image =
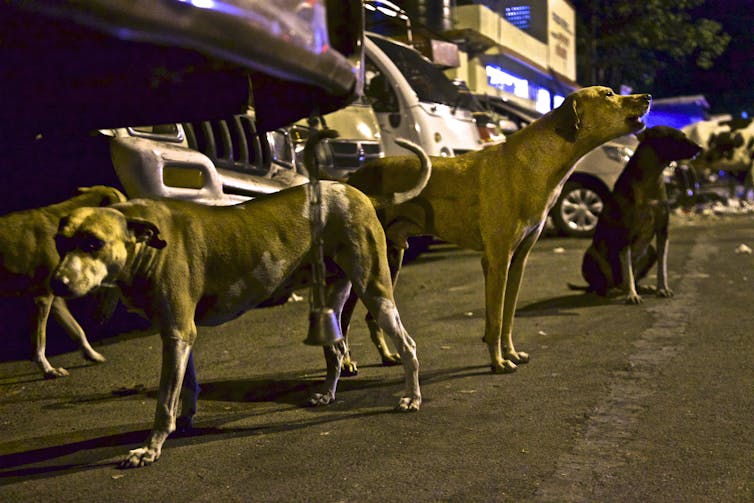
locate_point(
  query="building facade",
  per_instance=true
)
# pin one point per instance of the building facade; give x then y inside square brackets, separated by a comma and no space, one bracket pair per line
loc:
[524,50]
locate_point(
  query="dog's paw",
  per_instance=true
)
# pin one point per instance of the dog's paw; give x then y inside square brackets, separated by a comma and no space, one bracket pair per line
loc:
[349,369]
[391,359]
[504,367]
[318,399]
[409,404]
[517,357]
[94,356]
[142,456]
[54,373]
[664,292]
[634,299]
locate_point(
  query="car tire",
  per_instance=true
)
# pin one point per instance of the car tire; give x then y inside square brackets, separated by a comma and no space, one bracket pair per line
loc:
[578,208]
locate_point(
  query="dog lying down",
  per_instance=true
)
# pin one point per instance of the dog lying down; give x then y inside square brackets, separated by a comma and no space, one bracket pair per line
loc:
[183,265]
[637,211]
[27,259]
[496,200]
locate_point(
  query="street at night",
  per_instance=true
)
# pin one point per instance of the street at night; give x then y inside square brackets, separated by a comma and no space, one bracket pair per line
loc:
[619,402]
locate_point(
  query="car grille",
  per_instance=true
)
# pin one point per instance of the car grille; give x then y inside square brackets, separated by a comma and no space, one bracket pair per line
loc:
[351,155]
[233,144]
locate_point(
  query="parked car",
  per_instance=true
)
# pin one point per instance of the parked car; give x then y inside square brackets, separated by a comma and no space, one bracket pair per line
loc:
[359,140]
[577,210]
[219,162]
[415,100]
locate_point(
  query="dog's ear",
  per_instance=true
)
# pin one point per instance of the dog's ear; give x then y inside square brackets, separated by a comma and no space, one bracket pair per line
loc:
[568,119]
[146,232]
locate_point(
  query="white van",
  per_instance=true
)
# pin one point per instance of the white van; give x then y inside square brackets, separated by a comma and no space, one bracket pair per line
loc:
[415,100]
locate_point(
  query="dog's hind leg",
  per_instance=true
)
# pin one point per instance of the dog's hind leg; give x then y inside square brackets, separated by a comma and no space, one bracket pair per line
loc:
[386,314]
[395,258]
[349,365]
[61,313]
[43,305]
[176,348]
[597,272]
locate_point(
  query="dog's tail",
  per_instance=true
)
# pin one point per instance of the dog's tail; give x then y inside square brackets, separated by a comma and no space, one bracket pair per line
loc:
[396,198]
[580,288]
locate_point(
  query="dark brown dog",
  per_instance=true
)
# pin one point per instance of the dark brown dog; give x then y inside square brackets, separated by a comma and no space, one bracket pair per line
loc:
[28,257]
[496,200]
[636,212]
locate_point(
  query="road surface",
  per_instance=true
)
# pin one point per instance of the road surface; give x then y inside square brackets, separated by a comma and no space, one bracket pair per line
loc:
[619,403]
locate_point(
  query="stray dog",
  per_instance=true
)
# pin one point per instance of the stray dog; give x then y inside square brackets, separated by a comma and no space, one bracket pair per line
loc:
[183,265]
[621,253]
[27,259]
[496,200]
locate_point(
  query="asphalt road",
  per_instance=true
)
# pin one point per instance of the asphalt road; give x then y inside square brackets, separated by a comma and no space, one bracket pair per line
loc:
[650,403]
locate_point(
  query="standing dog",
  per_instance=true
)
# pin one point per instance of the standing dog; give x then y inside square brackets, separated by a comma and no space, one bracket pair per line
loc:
[185,265]
[28,257]
[496,200]
[636,212]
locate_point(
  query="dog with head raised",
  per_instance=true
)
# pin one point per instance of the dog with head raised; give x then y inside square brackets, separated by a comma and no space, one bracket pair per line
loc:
[27,259]
[636,212]
[496,200]
[183,265]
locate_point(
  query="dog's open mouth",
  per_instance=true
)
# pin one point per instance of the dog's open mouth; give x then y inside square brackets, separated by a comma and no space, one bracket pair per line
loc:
[636,121]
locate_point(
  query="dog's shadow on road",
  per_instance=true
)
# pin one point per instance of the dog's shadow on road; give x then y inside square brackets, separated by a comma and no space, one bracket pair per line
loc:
[104,447]
[563,305]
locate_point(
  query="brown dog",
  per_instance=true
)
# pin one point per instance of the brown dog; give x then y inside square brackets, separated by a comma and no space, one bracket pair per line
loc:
[636,212]
[215,263]
[496,200]
[28,257]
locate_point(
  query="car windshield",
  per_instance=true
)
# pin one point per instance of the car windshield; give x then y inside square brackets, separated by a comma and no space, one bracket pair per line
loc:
[428,81]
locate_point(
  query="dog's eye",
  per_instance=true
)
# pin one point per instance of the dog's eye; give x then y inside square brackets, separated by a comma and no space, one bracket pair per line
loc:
[91,244]
[609,93]
[63,244]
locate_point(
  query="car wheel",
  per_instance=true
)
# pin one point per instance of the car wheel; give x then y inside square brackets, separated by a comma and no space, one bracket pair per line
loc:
[578,208]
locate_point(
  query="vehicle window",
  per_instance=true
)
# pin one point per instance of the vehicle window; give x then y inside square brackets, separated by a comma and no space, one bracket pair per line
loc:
[378,89]
[428,81]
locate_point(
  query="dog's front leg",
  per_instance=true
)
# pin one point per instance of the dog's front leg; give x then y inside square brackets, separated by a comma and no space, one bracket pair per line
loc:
[334,359]
[43,305]
[663,290]
[176,347]
[512,287]
[495,278]
[629,283]
[73,329]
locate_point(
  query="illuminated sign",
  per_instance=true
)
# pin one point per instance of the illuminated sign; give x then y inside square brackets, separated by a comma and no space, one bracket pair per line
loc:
[500,79]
